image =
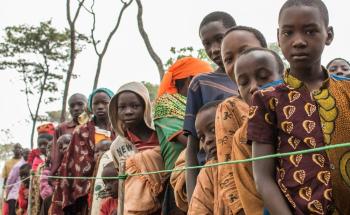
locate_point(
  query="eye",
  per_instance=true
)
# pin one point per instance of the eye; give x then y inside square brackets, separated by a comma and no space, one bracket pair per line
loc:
[286,33]
[121,107]
[228,59]
[332,68]
[345,68]
[310,32]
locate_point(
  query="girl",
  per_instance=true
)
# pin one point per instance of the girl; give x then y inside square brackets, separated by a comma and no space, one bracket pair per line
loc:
[78,160]
[339,66]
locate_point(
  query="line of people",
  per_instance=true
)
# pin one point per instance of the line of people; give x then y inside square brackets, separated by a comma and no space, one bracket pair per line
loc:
[249,106]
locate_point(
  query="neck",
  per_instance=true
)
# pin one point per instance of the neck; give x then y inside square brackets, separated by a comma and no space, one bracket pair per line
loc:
[16,156]
[101,123]
[141,130]
[308,75]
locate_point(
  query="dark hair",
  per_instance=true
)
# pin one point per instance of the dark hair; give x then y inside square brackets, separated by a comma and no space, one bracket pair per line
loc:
[227,20]
[275,55]
[78,95]
[311,3]
[209,105]
[47,137]
[338,58]
[24,166]
[259,36]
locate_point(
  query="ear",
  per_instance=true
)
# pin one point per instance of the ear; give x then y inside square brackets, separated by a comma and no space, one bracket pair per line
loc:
[330,35]
[278,38]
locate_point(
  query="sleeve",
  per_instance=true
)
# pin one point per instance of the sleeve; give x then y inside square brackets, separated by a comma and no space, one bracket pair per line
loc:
[202,201]
[45,187]
[243,174]
[193,104]
[262,120]
[12,177]
[5,171]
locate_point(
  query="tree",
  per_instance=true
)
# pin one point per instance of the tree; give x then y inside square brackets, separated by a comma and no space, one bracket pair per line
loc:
[147,42]
[275,47]
[73,36]
[101,54]
[40,55]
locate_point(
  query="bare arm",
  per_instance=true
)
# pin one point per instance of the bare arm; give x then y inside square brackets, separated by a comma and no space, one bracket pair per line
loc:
[191,160]
[181,139]
[264,176]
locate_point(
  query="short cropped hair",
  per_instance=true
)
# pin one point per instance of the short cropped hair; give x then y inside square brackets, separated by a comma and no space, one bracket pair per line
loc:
[275,55]
[259,36]
[209,105]
[311,3]
[227,20]
[338,58]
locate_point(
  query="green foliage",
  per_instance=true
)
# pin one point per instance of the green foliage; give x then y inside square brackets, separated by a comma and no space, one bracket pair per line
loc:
[275,47]
[6,151]
[152,89]
[177,54]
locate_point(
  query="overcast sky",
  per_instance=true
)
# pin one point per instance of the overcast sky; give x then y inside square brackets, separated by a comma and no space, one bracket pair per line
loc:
[167,22]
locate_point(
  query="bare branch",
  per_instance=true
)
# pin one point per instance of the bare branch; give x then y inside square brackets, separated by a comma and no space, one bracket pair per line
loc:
[81,3]
[69,18]
[145,38]
[94,43]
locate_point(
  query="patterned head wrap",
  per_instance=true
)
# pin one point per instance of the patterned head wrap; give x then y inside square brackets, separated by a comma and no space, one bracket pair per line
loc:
[182,68]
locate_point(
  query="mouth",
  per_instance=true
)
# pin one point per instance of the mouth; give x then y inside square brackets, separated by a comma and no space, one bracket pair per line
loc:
[300,56]
[100,113]
[217,60]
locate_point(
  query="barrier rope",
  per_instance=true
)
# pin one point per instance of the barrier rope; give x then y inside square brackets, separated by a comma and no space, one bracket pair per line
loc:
[123,177]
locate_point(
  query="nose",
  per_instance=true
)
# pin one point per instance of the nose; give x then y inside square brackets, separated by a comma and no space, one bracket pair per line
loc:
[208,140]
[254,87]
[215,49]
[129,111]
[299,41]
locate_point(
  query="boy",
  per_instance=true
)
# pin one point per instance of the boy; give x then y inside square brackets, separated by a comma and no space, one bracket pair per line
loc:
[205,199]
[254,68]
[24,172]
[110,204]
[308,110]
[236,40]
[207,87]
[77,105]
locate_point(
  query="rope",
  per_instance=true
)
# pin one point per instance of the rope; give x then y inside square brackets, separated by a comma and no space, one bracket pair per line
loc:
[123,177]
[19,182]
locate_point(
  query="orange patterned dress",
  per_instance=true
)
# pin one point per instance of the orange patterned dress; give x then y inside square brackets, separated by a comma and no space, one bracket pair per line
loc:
[293,118]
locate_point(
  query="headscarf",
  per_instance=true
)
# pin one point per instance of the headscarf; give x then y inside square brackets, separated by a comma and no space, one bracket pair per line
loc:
[47,128]
[182,68]
[98,90]
[140,90]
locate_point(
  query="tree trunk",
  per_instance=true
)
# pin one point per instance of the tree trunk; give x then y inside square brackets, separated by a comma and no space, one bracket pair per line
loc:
[98,71]
[69,74]
[145,38]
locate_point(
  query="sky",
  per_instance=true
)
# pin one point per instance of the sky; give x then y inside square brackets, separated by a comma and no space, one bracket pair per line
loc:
[169,23]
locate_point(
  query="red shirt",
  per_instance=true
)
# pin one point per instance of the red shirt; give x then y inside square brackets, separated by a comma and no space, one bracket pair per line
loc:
[143,145]
[108,205]
[23,198]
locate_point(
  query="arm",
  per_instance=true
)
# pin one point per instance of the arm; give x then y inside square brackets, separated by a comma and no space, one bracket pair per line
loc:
[181,139]
[191,160]
[264,176]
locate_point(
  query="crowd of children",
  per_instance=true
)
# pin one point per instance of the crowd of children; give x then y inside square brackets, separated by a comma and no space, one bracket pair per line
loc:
[249,106]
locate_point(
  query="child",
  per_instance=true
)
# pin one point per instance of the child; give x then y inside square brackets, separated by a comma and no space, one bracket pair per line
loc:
[77,104]
[170,112]
[339,66]
[206,87]
[205,198]
[131,116]
[109,205]
[24,172]
[309,109]
[235,41]
[79,160]
[254,68]
[101,147]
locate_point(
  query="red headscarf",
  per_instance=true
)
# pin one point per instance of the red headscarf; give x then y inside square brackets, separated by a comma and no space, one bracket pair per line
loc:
[182,68]
[47,128]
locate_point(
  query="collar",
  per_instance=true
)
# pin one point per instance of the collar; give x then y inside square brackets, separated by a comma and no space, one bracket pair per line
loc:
[71,124]
[135,139]
[294,83]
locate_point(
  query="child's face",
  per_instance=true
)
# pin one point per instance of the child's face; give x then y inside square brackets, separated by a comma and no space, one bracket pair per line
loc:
[131,109]
[63,143]
[233,44]
[205,127]
[100,105]
[23,174]
[42,144]
[302,35]
[254,70]
[339,67]
[211,35]
[111,185]
[77,105]
[17,150]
